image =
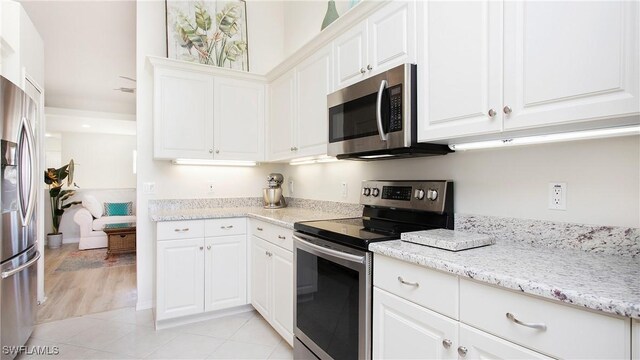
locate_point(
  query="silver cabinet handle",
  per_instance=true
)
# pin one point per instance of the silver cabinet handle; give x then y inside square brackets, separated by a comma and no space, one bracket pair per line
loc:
[446,343]
[217,151]
[226,227]
[539,326]
[6,274]
[491,113]
[462,351]
[507,110]
[268,253]
[362,70]
[383,85]
[181,230]
[281,237]
[369,67]
[295,148]
[407,282]
[201,247]
[208,247]
[259,228]
[210,151]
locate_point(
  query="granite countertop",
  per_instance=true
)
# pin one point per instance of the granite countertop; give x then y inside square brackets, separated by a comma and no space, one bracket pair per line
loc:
[600,282]
[284,217]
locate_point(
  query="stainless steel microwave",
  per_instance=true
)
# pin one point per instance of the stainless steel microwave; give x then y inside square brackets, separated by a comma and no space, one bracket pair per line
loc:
[376,118]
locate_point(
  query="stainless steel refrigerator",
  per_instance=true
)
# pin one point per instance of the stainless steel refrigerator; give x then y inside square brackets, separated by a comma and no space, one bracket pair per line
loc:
[18,225]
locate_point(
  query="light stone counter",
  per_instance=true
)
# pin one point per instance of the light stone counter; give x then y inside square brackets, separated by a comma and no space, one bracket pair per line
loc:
[600,282]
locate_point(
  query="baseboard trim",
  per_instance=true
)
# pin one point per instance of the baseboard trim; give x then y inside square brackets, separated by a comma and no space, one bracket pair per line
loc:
[144,305]
[169,323]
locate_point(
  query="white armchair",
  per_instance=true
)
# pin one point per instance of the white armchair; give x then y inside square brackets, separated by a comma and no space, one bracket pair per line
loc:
[91,234]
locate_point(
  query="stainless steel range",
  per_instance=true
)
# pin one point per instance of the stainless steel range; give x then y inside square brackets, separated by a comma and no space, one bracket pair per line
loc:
[334,267]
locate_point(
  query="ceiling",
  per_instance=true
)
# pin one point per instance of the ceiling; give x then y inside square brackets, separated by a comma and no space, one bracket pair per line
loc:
[88,44]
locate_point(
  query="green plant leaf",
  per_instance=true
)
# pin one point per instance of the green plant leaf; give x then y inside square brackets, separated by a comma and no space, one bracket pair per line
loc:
[227,19]
[235,49]
[203,19]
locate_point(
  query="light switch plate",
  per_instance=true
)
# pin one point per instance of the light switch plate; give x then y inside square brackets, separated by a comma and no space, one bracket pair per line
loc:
[344,189]
[149,188]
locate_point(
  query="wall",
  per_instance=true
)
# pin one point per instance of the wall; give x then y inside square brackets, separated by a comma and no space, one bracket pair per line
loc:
[102,161]
[602,176]
[265,51]
[303,20]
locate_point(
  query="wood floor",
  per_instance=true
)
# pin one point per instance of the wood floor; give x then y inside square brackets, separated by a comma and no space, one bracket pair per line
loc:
[87,291]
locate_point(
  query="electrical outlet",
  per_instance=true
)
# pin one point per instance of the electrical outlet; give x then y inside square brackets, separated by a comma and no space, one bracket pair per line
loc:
[210,187]
[290,187]
[344,189]
[558,196]
[149,188]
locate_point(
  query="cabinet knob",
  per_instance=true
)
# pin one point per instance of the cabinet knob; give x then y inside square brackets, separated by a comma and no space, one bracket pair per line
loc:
[491,113]
[201,247]
[446,343]
[462,351]
[210,151]
[363,70]
[507,110]
[291,148]
[281,237]
[208,247]
[217,151]
[369,67]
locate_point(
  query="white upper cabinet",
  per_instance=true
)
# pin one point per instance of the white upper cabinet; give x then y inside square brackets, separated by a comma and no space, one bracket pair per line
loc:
[487,67]
[570,61]
[313,84]
[386,39]
[182,114]
[204,112]
[282,93]
[239,120]
[459,69]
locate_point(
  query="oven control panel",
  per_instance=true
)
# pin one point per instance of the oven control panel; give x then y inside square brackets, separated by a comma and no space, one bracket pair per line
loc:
[411,195]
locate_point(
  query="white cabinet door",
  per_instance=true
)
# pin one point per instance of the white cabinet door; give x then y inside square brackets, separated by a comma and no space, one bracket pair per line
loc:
[239,120]
[260,277]
[225,272]
[314,79]
[404,330]
[568,61]
[392,36]
[459,69]
[182,114]
[350,55]
[282,94]
[282,304]
[180,272]
[480,345]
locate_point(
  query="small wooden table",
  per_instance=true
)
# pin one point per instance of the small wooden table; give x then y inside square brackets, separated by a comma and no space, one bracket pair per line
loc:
[121,238]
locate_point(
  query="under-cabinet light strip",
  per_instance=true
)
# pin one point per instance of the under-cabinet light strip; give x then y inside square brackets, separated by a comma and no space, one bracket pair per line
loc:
[313,160]
[214,162]
[541,139]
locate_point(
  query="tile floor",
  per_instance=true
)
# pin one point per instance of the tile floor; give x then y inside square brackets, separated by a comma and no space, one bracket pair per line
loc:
[127,334]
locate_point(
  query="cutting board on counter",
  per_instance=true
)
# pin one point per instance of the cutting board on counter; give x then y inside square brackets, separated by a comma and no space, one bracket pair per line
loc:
[451,240]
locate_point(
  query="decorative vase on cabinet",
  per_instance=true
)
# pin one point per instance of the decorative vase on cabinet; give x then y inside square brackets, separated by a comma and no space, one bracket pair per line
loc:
[331,15]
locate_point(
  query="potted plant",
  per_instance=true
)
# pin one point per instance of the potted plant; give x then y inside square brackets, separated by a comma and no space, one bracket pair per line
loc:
[53,177]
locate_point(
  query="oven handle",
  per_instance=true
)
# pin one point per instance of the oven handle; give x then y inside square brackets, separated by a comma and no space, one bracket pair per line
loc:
[383,85]
[338,254]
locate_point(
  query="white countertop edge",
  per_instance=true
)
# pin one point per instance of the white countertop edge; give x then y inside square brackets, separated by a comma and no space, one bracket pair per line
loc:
[567,296]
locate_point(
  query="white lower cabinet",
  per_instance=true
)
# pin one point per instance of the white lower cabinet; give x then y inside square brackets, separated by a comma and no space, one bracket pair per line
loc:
[200,274]
[406,325]
[404,330]
[272,276]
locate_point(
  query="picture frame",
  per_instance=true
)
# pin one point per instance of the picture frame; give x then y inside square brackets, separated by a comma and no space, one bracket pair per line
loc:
[209,32]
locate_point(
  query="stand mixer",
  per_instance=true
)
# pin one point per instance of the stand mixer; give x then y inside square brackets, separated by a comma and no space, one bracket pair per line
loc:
[273,198]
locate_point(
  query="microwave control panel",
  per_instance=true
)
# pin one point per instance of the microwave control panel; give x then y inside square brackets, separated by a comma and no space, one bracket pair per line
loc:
[395,100]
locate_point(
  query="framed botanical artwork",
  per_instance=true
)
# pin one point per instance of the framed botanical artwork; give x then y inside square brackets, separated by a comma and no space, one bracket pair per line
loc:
[208,32]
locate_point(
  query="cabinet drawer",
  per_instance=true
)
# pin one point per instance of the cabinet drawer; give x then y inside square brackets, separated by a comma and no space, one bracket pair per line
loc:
[569,333]
[432,289]
[184,229]
[222,227]
[274,234]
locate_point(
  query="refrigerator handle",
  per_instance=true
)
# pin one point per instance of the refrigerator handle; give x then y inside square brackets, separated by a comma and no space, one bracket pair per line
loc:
[26,213]
[6,274]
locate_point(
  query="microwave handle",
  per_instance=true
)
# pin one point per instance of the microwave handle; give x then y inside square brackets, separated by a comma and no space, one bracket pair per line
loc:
[383,86]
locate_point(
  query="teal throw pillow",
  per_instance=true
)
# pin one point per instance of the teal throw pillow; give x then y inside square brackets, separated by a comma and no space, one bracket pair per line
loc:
[118,209]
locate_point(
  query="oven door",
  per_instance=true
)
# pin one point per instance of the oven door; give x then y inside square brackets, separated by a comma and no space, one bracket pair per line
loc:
[374,114]
[332,305]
